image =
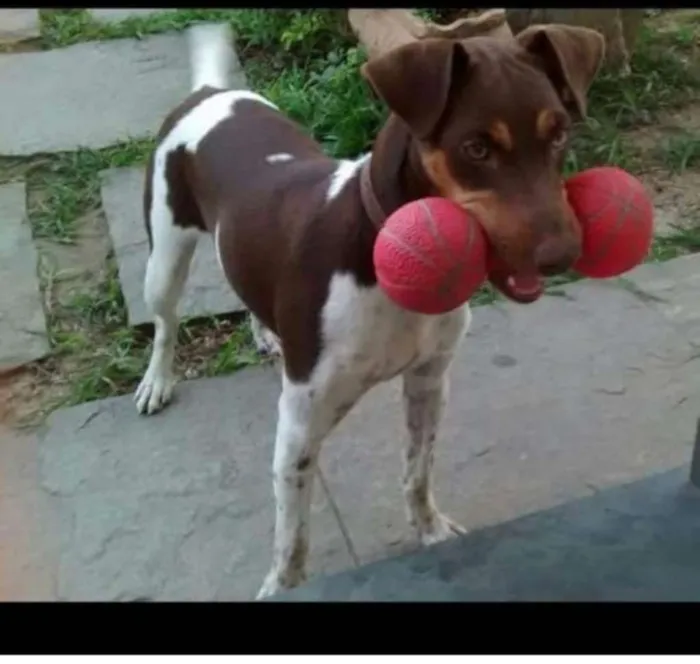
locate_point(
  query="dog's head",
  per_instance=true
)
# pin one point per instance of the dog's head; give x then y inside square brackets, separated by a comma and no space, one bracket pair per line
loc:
[490,121]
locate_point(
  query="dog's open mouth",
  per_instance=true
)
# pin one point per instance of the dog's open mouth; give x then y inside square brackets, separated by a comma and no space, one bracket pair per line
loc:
[521,287]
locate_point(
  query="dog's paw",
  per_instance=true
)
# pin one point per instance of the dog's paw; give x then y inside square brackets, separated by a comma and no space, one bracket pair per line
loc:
[439,529]
[154,392]
[271,586]
[266,342]
[268,588]
[276,582]
[267,345]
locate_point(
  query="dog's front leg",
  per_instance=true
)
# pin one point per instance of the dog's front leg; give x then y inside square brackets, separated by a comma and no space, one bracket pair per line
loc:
[425,394]
[307,413]
[425,389]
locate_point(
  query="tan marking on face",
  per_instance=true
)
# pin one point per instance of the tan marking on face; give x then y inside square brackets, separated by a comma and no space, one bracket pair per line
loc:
[546,119]
[436,168]
[494,217]
[512,237]
[500,133]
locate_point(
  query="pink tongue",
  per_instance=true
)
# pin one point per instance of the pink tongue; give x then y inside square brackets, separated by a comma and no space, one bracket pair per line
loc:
[525,283]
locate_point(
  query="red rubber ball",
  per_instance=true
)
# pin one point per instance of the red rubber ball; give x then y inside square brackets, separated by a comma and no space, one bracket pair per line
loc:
[616,217]
[430,256]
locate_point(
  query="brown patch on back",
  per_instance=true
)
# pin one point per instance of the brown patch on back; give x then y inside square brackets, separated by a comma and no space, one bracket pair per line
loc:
[280,238]
[546,119]
[168,124]
[181,200]
[500,133]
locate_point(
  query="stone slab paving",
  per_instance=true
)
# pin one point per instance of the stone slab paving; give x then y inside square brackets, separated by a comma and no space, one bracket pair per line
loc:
[100,92]
[123,13]
[673,288]
[23,336]
[18,25]
[637,542]
[551,402]
[28,539]
[175,507]
[207,291]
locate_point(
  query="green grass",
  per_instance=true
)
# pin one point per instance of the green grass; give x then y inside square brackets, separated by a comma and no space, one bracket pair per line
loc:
[679,242]
[106,357]
[660,80]
[307,62]
[90,333]
[331,100]
[680,152]
[67,185]
[236,352]
[298,34]
[112,367]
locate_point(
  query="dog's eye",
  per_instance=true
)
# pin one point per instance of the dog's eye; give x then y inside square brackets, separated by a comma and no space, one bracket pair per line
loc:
[476,150]
[560,138]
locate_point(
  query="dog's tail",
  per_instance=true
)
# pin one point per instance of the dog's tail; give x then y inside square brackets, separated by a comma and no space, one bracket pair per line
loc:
[210,55]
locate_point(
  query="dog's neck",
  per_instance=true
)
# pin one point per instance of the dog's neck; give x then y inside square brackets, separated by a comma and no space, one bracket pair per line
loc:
[397,175]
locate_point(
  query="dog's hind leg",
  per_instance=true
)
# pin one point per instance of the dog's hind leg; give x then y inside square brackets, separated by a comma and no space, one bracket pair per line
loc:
[173,241]
[266,342]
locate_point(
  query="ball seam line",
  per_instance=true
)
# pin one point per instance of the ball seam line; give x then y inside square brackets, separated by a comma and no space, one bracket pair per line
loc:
[416,253]
[439,239]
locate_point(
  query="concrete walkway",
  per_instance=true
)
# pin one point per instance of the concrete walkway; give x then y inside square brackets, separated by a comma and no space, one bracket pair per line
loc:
[124,88]
[23,335]
[550,402]
[206,293]
[632,543]
[29,537]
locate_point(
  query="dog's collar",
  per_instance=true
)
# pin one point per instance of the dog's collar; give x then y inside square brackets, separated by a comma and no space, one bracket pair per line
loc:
[370,202]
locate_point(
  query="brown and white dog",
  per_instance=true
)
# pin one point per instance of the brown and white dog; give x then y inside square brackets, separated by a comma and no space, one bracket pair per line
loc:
[481,121]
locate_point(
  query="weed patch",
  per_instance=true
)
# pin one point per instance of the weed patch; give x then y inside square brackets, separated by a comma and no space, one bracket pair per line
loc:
[64,186]
[96,354]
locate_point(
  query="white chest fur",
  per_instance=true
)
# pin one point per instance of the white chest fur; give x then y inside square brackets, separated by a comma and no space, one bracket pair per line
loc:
[368,336]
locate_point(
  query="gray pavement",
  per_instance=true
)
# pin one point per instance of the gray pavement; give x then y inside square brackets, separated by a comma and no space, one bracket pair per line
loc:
[173,507]
[632,543]
[207,292]
[29,540]
[18,25]
[100,93]
[551,402]
[23,336]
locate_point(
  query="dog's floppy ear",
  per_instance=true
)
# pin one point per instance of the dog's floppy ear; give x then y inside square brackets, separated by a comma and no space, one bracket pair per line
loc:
[414,80]
[571,56]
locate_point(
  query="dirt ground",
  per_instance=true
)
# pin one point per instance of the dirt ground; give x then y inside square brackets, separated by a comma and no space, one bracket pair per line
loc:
[676,195]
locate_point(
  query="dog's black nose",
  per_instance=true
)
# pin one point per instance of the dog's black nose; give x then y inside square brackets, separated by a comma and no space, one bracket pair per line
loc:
[554,256]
